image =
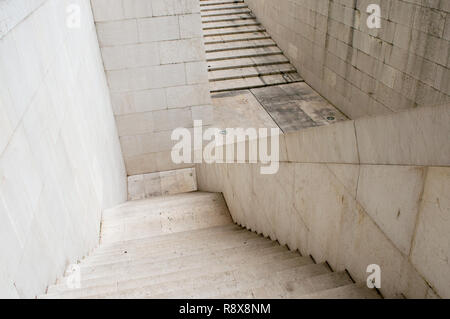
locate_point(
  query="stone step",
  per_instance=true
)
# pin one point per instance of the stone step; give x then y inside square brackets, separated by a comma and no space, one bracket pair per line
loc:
[236,38]
[302,273]
[162,202]
[264,245]
[353,291]
[253,82]
[171,265]
[251,72]
[242,53]
[216,207]
[147,286]
[140,280]
[204,3]
[229,17]
[167,222]
[225,13]
[162,240]
[230,24]
[244,282]
[257,243]
[233,31]
[269,289]
[275,287]
[223,7]
[297,288]
[149,218]
[161,274]
[236,45]
[232,278]
[175,248]
[247,62]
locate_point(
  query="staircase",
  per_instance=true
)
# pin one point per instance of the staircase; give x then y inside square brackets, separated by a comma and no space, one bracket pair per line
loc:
[239,51]
[186,246]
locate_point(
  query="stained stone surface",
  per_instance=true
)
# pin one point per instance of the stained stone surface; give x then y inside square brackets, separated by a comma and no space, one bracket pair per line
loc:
[297,106]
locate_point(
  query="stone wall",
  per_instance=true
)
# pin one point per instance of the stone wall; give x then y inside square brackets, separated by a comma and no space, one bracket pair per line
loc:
[370,191]
[155,63]
[363,71]
[60,157]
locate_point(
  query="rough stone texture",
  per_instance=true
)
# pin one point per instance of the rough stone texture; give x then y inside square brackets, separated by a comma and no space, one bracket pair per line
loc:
[60,157]
[341,210]
[155,64]
[364,71]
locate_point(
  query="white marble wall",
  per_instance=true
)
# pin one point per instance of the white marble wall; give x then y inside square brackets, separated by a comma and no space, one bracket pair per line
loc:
[371,191]
[155,62]
[60,157]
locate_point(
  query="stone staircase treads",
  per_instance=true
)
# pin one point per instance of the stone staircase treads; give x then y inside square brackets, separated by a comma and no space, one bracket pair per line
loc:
[245,60]
[204,3]
[208,261]
[240,53]
[236,38]
[230,17]
[143,254]
[230,24]
[222,238]
[275,288]
[353,291]
[220,7]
